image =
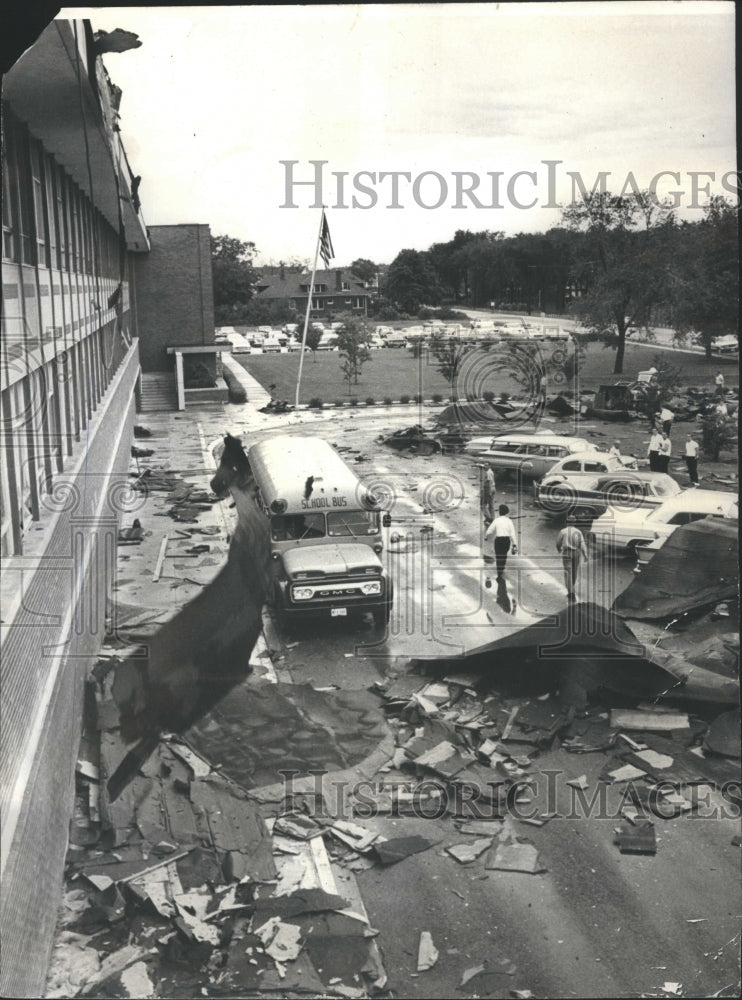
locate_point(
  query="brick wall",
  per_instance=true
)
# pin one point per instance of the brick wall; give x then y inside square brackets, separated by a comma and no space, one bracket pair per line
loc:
[174,294]
[58,627]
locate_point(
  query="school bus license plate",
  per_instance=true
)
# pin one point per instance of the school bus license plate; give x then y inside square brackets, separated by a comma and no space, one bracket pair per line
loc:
[338,612]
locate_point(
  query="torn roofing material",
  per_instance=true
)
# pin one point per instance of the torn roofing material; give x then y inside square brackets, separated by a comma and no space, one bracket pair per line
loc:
[696,566]
[570,640]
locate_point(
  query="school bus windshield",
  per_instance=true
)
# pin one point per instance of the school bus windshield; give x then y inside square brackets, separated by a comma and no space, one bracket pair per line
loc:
[294,527]
[353,522]
[347,523]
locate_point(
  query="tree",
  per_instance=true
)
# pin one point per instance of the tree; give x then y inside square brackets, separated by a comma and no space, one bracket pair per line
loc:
[705,275]
[314,336]
[411,281]
[353,340]
[365,270]
[233,277]
[449,352]
[623,262]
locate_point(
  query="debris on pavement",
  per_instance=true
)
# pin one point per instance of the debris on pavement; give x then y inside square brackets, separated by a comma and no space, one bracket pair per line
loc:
[515,856]
[637,838]
[657,721]
[466,853]
[427,953]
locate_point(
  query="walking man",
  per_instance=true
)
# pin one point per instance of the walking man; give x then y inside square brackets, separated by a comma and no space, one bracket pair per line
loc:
[719,380]
[505,538]
[663,458]
[691,459]
[653,451]
[571,545]
[489,492]
[667,417]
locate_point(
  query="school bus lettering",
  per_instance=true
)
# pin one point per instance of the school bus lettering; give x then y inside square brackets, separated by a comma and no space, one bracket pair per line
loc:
[315,502]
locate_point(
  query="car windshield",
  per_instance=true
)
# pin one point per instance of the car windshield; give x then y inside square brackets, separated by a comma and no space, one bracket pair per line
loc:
[353,522]
[294,527]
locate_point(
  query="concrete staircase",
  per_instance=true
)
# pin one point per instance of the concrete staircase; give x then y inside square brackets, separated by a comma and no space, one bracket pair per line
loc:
[158,392]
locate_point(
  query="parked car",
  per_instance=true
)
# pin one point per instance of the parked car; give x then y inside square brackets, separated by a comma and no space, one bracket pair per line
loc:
[531,454]
[626,530]
[271,345]
[591,462]
[590,494]
[396,339]
[328,342]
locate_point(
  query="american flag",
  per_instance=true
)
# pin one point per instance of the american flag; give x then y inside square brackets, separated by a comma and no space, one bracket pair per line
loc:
[325,242]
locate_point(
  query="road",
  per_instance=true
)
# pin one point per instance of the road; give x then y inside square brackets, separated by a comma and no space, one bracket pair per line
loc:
[597,922]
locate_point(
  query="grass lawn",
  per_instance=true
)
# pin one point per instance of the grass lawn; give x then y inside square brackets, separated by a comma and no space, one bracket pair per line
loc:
[393,373]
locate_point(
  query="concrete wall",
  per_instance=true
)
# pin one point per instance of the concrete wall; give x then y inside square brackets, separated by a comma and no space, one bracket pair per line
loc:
[53,630]
[174,294]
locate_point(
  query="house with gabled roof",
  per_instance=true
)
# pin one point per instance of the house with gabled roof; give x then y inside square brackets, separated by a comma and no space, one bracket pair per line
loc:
[334,291]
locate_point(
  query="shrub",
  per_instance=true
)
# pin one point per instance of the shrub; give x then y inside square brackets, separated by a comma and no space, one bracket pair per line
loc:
[418,398]
[339,402]
[488,396]
[353,402]
[404,399]
[388,400]
[236,390]
[315,403]
[437,398]
[370,400]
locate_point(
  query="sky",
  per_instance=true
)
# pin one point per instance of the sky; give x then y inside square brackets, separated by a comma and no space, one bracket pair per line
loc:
[459,97]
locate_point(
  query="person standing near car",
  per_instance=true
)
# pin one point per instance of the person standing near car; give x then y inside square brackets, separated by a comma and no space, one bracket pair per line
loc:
[653,451]
[719,382]
[615,450]
[691,459]
[571,544]
[506,540]
[665,451]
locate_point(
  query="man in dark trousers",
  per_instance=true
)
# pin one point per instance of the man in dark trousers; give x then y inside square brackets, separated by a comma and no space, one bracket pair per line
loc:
[571,545]
[691,459]
[653,451]
[506,540]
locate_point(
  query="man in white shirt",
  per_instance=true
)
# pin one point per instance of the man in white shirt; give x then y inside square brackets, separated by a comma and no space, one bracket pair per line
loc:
[667,417]
[719,380]
[691,459]
[489,492]
[615,450]
[665,452]
[572,546]
[653,451]
[506,540]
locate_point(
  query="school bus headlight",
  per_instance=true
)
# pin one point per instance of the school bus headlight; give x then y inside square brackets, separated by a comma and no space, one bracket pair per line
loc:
[372,587]
[302,593]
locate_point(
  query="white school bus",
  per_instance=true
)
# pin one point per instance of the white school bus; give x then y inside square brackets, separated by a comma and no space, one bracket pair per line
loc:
[325,531]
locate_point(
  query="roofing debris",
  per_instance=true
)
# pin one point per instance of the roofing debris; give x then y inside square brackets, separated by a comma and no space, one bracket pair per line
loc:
[181,887]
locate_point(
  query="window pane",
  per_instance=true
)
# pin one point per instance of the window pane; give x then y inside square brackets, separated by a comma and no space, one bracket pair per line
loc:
[291,527]
[353,522]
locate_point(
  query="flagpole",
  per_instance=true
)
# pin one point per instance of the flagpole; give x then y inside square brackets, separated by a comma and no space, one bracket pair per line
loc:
[309,307]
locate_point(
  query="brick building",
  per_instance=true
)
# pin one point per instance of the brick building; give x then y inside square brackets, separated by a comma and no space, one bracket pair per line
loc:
[74,249]
[335,291]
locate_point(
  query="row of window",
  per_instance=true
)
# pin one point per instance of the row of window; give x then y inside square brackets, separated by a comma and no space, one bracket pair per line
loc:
[47,220]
